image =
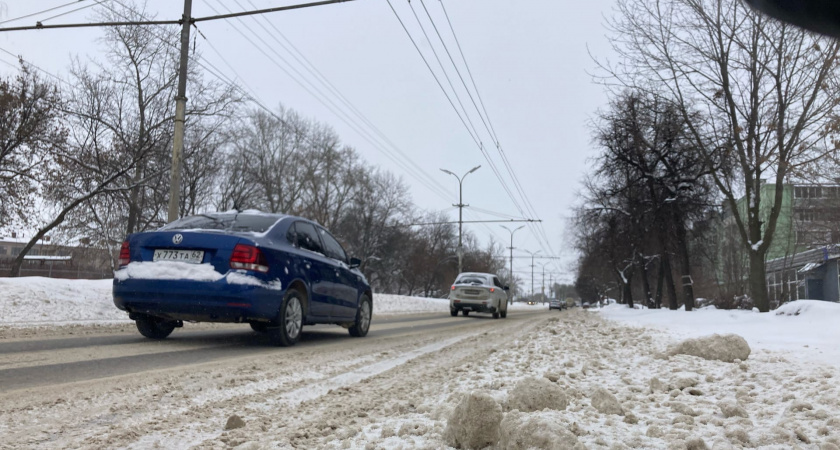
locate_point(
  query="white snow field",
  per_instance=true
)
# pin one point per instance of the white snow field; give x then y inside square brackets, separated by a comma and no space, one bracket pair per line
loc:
[598,379]
[38,301]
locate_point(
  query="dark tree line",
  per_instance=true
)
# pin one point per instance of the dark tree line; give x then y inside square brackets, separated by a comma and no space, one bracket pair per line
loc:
[648,187]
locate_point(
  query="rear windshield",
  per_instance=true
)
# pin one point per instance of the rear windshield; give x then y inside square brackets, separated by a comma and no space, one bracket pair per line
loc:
[471,279]
[255,223]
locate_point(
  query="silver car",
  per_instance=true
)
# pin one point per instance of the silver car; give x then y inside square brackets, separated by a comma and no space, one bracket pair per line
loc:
[478,292]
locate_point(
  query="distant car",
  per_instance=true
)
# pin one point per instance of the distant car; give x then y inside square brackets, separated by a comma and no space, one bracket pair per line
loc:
[532,302]
[585,305]
[478,292]
[556,304]
[274,272]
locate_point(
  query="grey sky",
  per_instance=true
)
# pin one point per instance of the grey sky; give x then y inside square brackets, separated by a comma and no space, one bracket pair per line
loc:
[529,60]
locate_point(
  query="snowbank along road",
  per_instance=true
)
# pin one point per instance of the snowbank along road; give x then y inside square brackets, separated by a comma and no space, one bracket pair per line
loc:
[536,380]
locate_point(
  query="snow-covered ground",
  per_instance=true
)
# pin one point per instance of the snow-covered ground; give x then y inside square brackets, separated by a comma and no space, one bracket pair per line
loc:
[804,328]
[38,301]
[598,379]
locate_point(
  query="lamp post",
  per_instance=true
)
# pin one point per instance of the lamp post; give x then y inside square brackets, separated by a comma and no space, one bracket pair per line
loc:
[460,206]
[511,257]
[532,269]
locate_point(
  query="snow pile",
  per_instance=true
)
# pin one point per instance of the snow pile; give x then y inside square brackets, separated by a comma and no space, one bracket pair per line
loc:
[168,270]
[806,328]
[52,301]
[522,431]
[474,424]
[620,394]
[726,348]
[535,394]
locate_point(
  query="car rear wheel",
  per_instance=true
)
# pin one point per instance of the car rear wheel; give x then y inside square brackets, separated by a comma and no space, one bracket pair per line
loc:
[453,312]
[362,324]
[495,315]
[503,314]
[287,329]
[154,327]
[465,312]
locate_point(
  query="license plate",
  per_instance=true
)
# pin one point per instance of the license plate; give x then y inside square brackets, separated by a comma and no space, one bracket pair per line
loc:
[472,291]
[189,256]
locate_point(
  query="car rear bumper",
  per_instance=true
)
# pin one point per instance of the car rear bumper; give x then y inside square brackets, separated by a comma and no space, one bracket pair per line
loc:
[484,306]
[200,301]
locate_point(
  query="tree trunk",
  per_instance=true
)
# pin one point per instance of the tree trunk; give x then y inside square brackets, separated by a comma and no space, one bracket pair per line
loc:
[645,281]
[628,291]
[660,279]
[685,265]
[758,281]
[669,281]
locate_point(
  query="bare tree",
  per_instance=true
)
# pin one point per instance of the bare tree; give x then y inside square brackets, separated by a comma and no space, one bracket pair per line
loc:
[30,132]
[768,92]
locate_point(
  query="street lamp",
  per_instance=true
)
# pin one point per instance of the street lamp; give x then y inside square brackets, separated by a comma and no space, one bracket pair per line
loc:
[511,257]
[532,268]
[460,206]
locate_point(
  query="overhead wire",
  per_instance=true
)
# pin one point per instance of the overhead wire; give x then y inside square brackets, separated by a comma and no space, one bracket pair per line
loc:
[250,96]
[403,161]
[475,138]
[536,230]
[488,124]
[97,2]
[42,11]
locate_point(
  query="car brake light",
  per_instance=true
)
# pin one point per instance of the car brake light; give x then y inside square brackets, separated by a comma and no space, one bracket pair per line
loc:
[248,257]
[492,289]
[453,287]
[125,254]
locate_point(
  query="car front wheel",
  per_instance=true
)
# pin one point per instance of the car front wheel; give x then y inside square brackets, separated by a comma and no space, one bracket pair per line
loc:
[453,312]
[287,329]
[362,324]
[154,327]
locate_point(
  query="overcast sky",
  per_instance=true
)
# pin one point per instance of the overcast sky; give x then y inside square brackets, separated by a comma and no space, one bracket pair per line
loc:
[530,61]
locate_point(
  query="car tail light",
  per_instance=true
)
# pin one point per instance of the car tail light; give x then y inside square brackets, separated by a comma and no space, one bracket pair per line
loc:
[125,254]
[248,257]
[492,289]
[453,287]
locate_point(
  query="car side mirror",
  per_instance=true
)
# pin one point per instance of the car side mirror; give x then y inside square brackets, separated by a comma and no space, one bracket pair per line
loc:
[355,262]
[507,288]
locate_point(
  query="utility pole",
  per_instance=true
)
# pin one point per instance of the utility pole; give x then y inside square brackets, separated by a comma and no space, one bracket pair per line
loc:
[542,284]
[460,206]
[180,115]
[532,269]
[511,257]
[550,286]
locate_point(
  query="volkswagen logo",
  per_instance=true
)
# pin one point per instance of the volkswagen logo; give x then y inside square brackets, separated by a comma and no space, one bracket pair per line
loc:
[177,238]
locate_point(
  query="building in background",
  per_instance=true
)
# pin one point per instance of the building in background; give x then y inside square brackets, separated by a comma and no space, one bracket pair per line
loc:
[802,259]
[50,259]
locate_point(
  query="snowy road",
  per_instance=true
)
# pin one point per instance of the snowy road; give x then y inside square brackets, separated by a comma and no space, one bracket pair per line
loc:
[29,363]
[113,388]
[217,387]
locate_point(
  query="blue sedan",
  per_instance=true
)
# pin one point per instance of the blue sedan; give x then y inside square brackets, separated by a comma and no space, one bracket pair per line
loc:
[275,272]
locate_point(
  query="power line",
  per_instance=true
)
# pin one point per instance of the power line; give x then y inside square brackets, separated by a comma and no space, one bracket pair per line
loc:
[537,231]
[491,130]
[404,163]
[193,20]
[42,12]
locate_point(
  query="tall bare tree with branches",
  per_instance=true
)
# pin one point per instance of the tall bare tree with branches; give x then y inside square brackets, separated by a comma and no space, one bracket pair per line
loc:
[768,92]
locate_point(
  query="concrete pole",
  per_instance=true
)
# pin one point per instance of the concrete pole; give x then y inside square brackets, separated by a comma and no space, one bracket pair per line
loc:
[180,116]
[511,257]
